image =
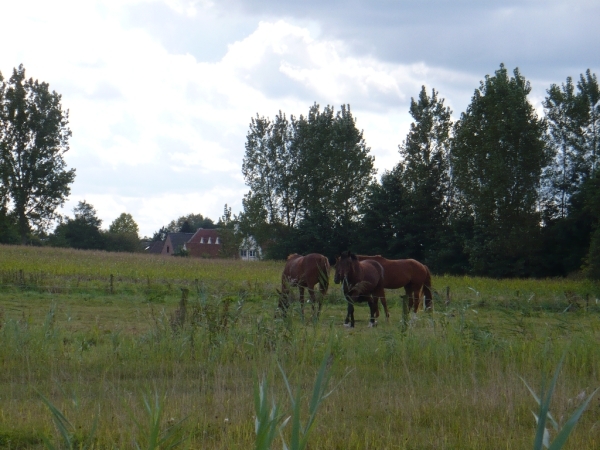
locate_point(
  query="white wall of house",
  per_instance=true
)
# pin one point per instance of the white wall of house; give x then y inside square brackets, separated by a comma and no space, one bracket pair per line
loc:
[250,250]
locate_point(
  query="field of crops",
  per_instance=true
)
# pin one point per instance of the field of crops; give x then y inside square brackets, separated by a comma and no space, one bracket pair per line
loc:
[98,351]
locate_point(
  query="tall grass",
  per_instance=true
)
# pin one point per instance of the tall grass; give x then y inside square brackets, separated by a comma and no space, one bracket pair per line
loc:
[449,379]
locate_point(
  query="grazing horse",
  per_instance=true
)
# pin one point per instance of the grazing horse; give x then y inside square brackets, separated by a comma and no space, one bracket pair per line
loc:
[361,281]
[304,272]
[410,274]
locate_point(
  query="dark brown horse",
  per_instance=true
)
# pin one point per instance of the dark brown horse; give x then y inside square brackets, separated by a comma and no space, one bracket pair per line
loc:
[361,281]
[410,274]
[304,272]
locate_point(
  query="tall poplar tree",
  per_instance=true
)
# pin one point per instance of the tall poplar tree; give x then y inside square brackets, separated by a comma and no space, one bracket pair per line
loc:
[424,158]
[33,140]
[565,113]
[497,156]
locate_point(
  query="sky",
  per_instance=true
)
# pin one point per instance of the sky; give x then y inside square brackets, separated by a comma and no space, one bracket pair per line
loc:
[161,93]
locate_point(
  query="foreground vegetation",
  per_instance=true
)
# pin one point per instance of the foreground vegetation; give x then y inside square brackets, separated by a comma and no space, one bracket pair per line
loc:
[126,362]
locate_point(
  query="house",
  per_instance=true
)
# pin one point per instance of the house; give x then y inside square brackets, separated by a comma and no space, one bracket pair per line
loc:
[204,243]
[175,243]
[250,250]
[154,247]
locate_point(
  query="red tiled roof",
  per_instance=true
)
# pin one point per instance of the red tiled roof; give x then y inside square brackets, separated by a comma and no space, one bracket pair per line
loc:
[204,249]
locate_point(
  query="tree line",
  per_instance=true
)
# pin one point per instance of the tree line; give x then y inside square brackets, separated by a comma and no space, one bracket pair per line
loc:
[499,192]
[34,179]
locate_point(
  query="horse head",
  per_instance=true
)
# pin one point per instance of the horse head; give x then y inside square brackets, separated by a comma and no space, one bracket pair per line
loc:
[345,267]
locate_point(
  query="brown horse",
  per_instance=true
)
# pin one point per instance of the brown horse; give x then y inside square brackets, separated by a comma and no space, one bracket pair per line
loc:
[361,281]
[304,272]
[410,274]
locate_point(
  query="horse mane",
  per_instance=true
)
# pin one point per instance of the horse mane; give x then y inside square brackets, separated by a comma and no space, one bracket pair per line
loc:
[291,255]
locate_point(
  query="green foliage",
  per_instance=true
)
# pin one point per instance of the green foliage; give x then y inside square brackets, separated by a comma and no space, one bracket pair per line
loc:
[303,172]
[408,211]
[72,437]
[153,436]
[542,436]
[498,154]
[121,242]
[270,420]
[33,139]
[124,224]
[231,237]
[189,224]
[81,232]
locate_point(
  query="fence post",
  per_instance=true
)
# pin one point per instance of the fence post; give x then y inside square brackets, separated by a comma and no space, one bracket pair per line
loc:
[447,295]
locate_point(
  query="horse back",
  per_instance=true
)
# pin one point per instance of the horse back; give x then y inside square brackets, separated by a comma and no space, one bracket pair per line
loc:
[400,272]
[373,272]
[306,270]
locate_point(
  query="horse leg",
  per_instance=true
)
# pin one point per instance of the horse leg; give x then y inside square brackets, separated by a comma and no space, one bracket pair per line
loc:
[381,296]
[373,307]
[408,292]
[413,297]
[349,322]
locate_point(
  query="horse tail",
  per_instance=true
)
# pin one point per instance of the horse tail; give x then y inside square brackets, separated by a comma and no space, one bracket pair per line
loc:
[427,289]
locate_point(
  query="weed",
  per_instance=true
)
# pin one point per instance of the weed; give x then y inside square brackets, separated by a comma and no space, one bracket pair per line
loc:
[542,436]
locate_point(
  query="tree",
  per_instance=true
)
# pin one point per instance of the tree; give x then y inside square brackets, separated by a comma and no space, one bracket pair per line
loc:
[122,235]
[308,178]
[33,139]
[229,233]
[82,232]
[573,115]
[565,113]
[383,216]
[425,176]
[124,224]
[190,223]
[589,91]
[497,156]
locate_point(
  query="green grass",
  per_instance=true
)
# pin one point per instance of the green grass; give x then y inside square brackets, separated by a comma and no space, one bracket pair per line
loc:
[123,359]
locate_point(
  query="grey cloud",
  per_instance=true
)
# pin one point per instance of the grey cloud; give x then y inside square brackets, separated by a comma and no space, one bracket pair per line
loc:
[204,36]
[464,35]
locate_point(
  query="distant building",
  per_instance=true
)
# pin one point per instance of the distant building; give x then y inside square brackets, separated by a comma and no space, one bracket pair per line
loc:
[204,244]
[250,250]
[175,243]
[154,247]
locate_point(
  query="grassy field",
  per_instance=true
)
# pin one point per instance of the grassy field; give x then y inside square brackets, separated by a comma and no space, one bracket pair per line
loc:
[104,338]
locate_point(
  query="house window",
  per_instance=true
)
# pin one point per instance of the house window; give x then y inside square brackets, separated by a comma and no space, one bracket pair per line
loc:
[202,240]
[252,253]
[217,241]
[243,253]
[210,240]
